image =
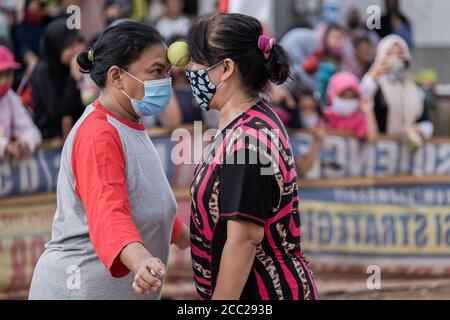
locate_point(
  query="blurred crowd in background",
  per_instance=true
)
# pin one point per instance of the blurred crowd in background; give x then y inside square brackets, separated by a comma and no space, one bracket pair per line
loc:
[345,78]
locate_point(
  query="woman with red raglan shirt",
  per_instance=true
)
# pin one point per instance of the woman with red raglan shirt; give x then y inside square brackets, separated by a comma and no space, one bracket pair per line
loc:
[116,212]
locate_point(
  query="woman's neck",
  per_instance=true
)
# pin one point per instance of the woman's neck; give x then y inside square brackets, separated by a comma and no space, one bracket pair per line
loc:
[234,107]
[113,105]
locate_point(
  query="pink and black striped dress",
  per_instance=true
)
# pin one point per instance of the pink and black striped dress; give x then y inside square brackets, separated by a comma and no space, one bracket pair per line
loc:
[248,173]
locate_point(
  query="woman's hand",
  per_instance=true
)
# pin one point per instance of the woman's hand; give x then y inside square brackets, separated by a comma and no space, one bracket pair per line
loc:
[148,276]
[24,150]
[18,150]
[379,69]
[148,270]
[13,150]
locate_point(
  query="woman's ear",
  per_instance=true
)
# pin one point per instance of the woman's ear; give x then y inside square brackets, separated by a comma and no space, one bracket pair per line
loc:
[230,67]
[114,77]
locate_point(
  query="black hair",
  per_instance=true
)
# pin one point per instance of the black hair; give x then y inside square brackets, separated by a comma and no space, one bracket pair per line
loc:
[313,95]
[306,92]
[56,38]
[360,40]
[215,37]
[119,45]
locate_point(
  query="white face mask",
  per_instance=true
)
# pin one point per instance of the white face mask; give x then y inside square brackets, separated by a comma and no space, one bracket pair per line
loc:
[309,122]
[344,107]
[399,69]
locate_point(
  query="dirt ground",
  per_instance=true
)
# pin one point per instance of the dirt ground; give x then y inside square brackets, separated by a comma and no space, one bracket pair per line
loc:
[342,288]
[391,289]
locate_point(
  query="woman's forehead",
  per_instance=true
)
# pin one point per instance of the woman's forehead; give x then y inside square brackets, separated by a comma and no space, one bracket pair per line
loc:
[155,56]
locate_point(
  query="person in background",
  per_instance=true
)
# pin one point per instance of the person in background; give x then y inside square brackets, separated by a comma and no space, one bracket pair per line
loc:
[56,9]
[395,22]
[349,112]
[399,102]
[115,10]
[327,60]
[173,22]
[300,43]
[139,10]
[365,52]
[306,162]
[56,98]
[308,114]
[310,119]
[28,34]
[5,23]
[427,80]
[19,137]
[357,27]
[92,17]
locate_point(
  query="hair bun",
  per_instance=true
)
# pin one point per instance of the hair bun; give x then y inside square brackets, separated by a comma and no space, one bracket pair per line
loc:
[279,65]
[84,62]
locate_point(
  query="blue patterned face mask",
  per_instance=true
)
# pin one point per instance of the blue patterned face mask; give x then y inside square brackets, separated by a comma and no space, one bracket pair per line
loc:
[202,87]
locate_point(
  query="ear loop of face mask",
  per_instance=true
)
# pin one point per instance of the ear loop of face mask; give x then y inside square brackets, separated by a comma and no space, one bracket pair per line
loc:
[212,67]
[143,82]
[123,91]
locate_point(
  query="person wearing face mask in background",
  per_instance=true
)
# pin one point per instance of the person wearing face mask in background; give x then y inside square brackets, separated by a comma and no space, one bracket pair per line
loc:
[307,113]
[116,213]
[364,55]
[56,99]
[399,102]
[309,118]
[19,137]
[348,111]
[28,34]
[328,59]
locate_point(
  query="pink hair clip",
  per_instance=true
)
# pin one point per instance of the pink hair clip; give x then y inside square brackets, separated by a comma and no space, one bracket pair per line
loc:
[265,44]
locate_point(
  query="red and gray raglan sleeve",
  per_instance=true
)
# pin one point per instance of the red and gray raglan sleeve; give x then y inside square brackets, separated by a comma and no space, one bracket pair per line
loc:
[98,164]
